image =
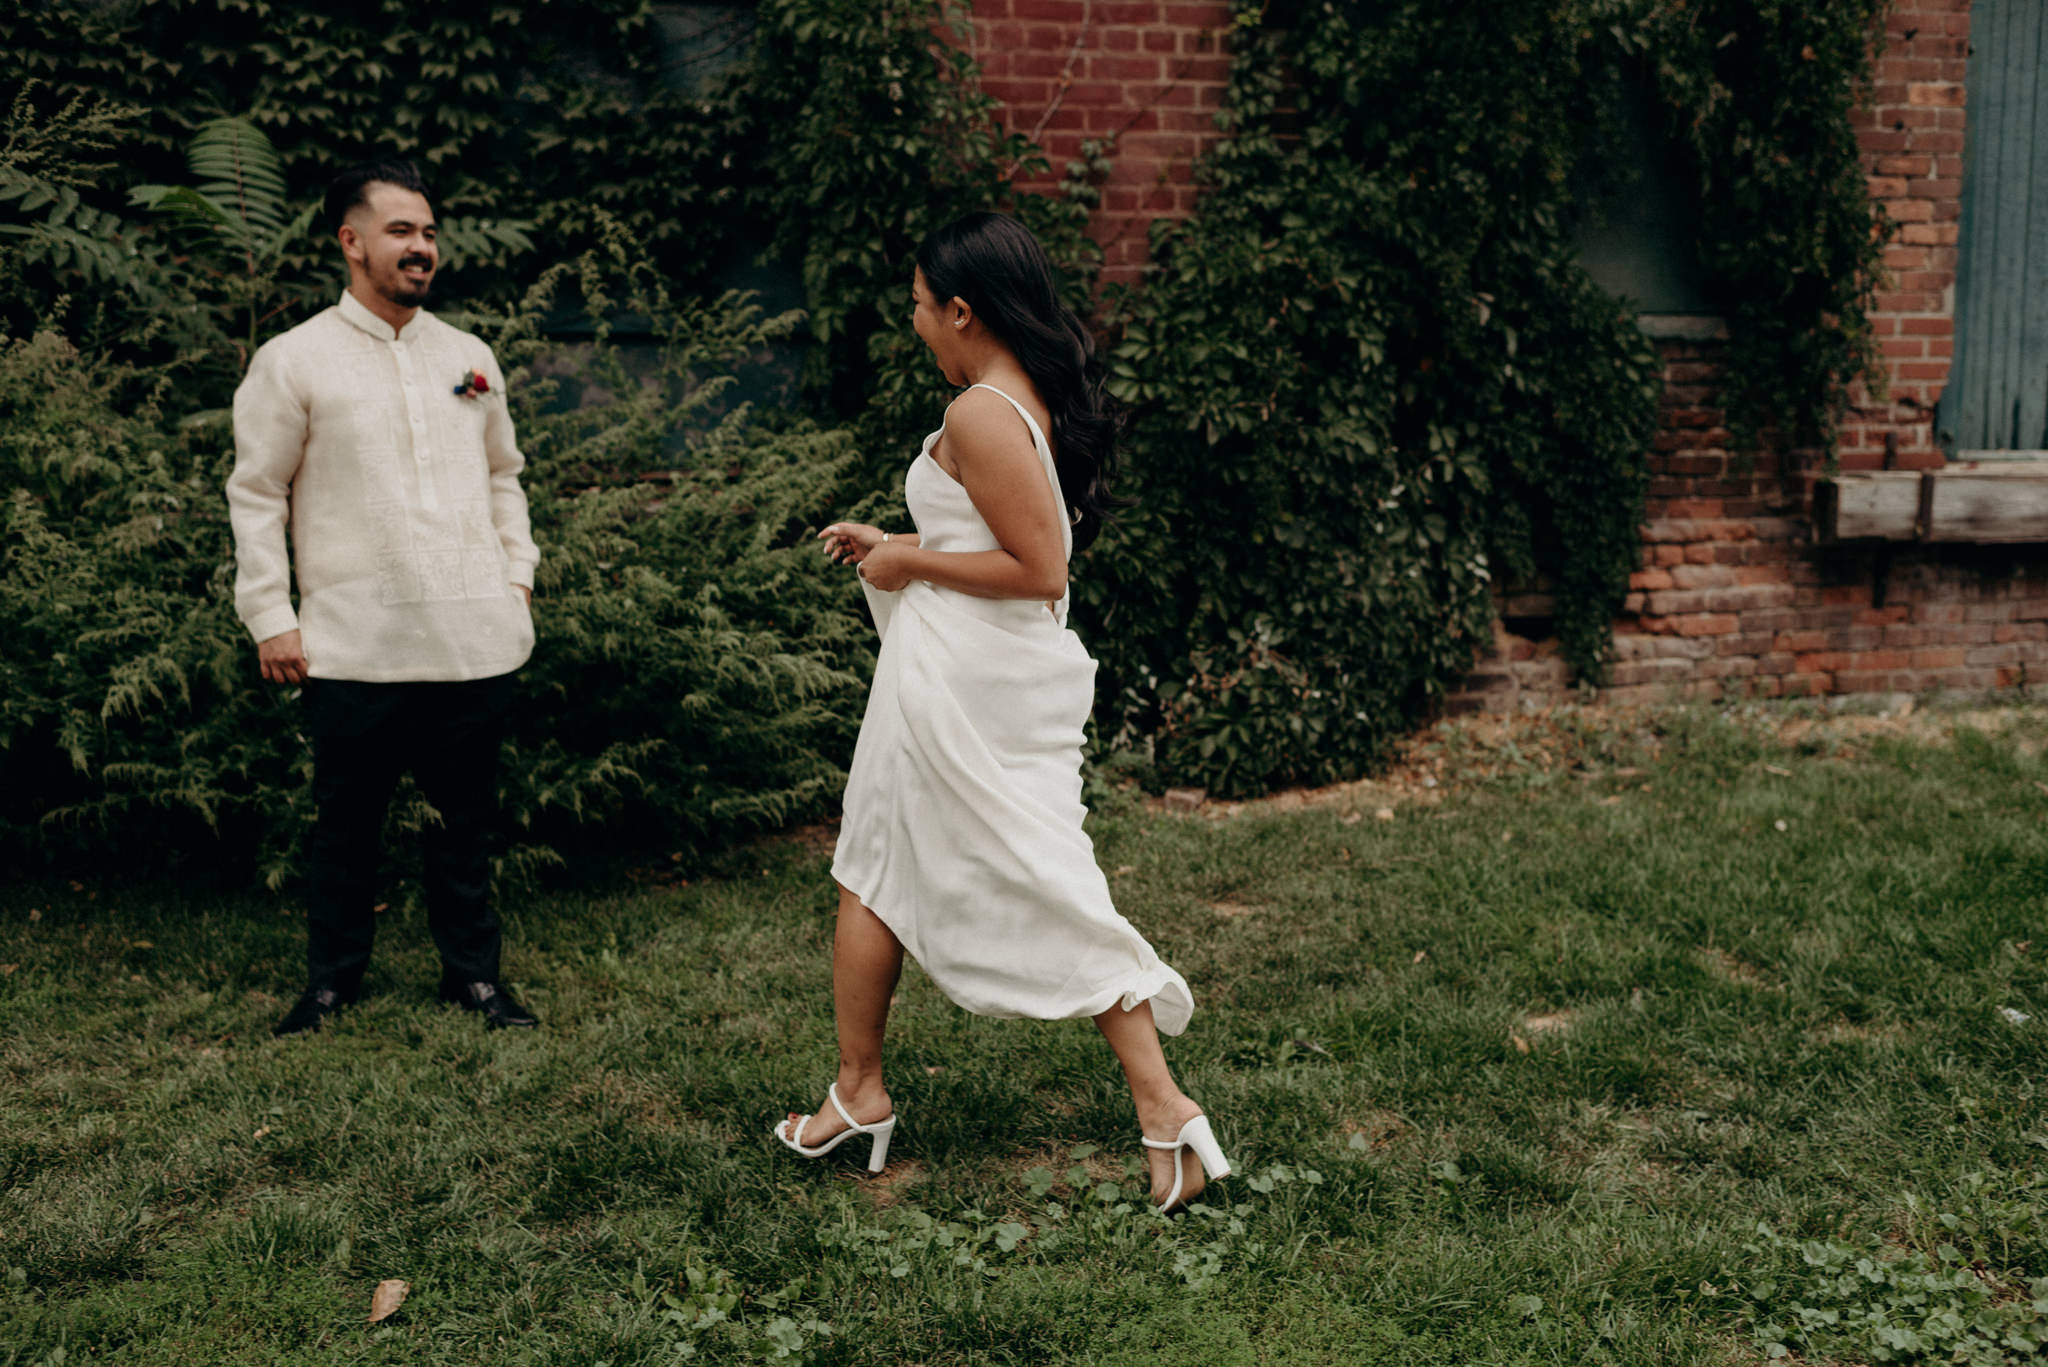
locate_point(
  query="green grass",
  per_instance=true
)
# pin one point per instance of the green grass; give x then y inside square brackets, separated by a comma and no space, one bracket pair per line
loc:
[1795,1028]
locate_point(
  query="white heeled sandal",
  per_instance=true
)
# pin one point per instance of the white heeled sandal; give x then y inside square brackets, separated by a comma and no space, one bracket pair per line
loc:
[1195,1135]
[787,1131]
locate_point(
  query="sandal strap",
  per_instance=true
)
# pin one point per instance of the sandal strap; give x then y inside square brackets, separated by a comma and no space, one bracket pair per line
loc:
[1151,1143]
[832,1095]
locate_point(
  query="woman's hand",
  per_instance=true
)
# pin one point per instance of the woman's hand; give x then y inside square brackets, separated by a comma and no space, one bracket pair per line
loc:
[887,566]
[848,543]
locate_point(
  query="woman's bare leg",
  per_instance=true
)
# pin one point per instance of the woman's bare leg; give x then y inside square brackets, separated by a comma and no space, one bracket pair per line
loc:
[1162,1107]
[867,959]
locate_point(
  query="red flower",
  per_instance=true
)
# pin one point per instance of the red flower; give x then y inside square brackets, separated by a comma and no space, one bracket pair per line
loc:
[483,386]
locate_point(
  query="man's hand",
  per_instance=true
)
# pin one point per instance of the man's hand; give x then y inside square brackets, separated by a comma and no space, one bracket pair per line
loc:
[282,658]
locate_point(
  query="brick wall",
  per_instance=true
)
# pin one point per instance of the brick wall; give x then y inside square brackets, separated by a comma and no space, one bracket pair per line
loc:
[1152,74]
[1732,598]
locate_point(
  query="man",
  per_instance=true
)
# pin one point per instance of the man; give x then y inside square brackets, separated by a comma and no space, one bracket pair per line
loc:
[379,435]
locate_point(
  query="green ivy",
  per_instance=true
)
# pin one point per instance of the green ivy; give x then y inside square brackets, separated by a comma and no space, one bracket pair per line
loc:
[1761,93]
[1372,380]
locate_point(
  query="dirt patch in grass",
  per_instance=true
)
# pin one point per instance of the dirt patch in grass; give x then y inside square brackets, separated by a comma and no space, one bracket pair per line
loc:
[1550,1022]
[1849,1032]
[1623,744]
[888,1186]
[1722,964]
[1380,1129]
[1231,910]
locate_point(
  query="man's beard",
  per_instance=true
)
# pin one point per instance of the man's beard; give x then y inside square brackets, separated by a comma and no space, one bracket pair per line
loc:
[404,292]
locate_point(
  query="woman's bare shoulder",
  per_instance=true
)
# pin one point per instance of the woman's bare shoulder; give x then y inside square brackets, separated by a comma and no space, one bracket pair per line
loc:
[981,421]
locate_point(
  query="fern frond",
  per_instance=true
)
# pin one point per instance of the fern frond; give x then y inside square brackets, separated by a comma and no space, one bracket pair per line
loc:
[241,198]
[483,241]
[236,166]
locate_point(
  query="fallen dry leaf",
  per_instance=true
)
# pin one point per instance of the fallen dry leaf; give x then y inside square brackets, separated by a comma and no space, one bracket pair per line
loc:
[145,944]
[1506,836]
[6,969]
[1780,826]
[1384,814]
[1126,870]
[1556,1020]
[381,906]
[1610,801]
[35,913]
[2042,786]
[389,1295]
[1521,1045]
[1353,818]
[1420,955]
[260,1132]
[1775,769]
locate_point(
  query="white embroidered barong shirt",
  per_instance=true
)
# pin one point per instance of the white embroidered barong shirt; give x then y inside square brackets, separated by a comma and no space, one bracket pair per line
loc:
[409,531]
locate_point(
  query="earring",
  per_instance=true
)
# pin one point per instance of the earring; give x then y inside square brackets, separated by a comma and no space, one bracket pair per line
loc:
[959,322]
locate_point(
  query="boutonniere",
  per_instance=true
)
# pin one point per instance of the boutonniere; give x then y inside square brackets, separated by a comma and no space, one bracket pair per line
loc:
[473,384]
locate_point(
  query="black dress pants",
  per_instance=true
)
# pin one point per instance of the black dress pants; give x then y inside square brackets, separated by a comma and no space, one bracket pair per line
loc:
[364,736]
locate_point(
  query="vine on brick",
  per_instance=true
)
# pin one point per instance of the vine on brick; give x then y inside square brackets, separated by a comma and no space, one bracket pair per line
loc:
[1371,376]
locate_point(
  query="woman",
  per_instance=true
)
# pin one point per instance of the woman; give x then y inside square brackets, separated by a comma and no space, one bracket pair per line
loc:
[962,838]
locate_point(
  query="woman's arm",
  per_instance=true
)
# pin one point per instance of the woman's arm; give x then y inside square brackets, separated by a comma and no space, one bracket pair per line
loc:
[1000,469]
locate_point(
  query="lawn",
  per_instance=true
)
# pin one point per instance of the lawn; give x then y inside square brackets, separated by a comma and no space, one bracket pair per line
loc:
[1653,1038]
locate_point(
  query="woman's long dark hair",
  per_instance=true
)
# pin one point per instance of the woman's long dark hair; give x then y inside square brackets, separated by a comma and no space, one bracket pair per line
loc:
[994,263]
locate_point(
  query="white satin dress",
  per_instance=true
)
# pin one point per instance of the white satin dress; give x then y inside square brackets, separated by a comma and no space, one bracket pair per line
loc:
[962,826]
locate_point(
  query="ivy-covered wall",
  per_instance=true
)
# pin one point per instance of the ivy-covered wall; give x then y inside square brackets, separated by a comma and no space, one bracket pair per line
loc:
[1730,597]
[1733,598]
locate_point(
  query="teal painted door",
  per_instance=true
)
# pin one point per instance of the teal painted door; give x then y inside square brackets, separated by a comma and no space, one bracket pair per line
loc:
[1996,402]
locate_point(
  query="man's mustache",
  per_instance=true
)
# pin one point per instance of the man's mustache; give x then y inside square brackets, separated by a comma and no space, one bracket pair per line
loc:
[406,261]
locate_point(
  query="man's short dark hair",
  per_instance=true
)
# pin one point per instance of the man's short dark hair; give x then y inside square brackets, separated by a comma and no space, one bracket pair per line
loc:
[351,187]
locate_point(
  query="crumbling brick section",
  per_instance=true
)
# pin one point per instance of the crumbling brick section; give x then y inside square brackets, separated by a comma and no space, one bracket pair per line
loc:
[1150,74]
[1732,598]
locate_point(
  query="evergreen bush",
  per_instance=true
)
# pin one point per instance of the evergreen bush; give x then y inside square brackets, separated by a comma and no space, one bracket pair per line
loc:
[699,667]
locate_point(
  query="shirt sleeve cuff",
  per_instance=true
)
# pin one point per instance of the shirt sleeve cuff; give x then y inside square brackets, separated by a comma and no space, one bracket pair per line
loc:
[272,622]
[521,573]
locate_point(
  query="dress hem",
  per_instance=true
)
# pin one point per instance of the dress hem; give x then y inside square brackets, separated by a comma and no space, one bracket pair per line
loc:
[1154,984]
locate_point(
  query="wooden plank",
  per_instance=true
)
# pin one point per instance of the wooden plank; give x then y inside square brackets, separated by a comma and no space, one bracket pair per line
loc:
[1995,504]
[1880,504]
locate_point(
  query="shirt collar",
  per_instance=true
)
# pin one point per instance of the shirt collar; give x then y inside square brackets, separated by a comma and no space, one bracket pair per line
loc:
[358,313]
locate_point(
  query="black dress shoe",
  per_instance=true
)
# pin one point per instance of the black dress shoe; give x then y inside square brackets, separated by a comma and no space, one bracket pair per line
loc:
[497,1006]
[316,1006]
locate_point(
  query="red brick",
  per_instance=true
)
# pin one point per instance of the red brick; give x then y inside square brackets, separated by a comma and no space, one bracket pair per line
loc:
[1052,11]
[1130,68]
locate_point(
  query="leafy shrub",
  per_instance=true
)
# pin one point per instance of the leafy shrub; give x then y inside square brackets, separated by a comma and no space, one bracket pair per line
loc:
[698,671]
